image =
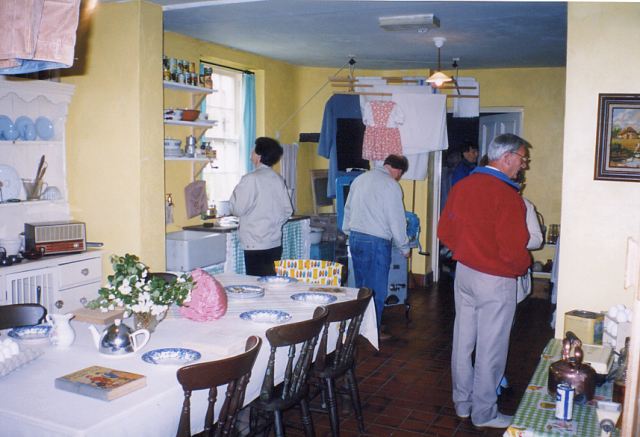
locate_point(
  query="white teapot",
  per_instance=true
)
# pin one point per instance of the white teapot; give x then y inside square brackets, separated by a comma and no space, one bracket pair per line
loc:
[118,339]
[62,334]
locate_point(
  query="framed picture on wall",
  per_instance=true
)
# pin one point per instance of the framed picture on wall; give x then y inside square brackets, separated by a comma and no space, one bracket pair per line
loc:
[618,138]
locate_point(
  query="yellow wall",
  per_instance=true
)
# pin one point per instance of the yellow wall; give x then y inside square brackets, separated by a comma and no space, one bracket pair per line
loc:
[114,131]
[275,98]
[597,216]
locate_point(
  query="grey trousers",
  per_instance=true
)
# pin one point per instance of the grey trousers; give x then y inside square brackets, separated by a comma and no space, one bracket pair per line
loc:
[485,307]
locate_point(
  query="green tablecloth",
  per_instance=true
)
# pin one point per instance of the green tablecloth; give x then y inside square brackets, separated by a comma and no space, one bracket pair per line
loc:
[536,412]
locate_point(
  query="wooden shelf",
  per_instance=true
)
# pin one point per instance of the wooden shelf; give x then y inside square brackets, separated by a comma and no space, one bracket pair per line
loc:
[23,143]
[189,88]
[184,158]
[201,123]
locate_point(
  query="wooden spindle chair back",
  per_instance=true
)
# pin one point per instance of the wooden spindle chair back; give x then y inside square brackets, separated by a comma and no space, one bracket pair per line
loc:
[328,367]
[235,372]
[300,339]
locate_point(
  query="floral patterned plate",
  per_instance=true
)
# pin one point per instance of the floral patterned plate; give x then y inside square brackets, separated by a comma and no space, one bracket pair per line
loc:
[276,281]
[314,298]
[244,291]
[31,333]
[266,316]
[171,356]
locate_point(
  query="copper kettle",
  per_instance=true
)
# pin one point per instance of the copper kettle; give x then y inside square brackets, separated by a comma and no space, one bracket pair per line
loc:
[571,370]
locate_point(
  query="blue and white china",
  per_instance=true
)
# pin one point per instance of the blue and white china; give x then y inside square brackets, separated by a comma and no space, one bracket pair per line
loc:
[171,356]
[10,183]
[276,281]
[44,128]
[266,316]
[314,298]
[244,291]
[26,128]
[31,333]
[8,130]
[5,123]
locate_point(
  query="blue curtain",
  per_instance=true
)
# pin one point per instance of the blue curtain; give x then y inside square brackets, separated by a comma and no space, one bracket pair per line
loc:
[249,117]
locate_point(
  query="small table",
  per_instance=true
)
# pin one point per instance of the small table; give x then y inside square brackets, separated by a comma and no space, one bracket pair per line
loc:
[536,412]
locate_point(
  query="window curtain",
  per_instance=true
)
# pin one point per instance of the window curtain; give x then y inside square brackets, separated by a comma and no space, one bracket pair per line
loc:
[249,118]
[288,169]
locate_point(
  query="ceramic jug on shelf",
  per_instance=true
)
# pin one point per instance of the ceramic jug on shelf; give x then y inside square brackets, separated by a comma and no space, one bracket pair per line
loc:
[62,333]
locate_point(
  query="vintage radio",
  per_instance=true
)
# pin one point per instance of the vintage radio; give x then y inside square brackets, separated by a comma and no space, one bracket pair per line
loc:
[51,238]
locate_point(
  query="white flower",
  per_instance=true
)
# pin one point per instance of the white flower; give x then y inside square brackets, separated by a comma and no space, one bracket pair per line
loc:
[124,288]
[112,296]
[181,279]
[111,307]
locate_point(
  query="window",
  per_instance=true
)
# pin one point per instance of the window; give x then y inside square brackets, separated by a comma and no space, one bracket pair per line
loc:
[226,137]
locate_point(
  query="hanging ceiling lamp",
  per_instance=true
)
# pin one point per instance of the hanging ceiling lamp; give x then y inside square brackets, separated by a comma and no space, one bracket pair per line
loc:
[438,78]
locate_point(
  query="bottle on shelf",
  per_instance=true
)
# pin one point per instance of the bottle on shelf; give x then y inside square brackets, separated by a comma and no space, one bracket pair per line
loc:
[620,381]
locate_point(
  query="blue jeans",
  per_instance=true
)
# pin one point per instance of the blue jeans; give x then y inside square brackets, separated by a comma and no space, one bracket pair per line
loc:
[371,258]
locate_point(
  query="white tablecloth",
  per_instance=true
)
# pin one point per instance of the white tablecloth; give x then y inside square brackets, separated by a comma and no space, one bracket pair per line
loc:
[30,404]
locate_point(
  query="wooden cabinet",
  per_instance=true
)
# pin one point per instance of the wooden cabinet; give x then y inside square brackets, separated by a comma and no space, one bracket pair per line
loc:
[62,283]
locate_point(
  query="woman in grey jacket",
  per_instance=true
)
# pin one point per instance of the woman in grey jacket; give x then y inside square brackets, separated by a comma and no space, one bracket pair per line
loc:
[262,203]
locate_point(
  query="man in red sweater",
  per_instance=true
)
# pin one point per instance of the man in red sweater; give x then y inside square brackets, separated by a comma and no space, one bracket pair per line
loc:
[484,225]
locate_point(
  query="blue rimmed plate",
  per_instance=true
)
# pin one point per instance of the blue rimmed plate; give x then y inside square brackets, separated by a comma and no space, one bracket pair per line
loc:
[171,356]
[244,291]
[31,333]
[276,281]
[314,298]
[44,128]
[266,316]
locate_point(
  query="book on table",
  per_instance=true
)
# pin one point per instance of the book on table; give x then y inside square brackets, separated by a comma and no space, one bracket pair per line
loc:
[101,382]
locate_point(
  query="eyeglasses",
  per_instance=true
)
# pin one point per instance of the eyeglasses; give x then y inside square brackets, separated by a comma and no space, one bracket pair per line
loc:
[522,157]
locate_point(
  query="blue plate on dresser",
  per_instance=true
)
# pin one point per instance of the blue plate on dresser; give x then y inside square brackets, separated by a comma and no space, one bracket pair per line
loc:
[171,356]
[44,128]
[26,128]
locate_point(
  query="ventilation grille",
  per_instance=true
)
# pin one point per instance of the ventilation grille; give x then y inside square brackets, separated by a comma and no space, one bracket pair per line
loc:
[31,287]
[64,232]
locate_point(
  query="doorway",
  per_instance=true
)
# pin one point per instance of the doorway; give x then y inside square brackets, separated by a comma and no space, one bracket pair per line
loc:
[480,130]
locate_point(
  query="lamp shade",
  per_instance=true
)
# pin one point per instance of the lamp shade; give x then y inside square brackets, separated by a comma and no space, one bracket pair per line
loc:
[438,78]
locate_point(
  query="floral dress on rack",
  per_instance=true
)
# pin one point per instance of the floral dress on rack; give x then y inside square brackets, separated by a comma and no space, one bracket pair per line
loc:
[381,136]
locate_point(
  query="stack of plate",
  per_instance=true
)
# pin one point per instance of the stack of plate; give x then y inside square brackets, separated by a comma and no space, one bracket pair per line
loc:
[172,148]
[244,291]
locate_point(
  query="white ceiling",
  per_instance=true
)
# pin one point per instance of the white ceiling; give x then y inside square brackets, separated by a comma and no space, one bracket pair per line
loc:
[327,32]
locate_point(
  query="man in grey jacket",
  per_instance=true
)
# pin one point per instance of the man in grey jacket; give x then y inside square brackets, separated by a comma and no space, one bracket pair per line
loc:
[262,203]
[374,219]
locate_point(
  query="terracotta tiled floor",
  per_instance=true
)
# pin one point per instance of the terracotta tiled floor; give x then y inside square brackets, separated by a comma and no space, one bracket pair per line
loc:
[406,386]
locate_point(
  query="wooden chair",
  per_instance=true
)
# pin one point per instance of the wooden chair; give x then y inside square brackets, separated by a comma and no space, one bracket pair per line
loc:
[21,314]
[273,400]
[312,271]
[341,362]
[235,372]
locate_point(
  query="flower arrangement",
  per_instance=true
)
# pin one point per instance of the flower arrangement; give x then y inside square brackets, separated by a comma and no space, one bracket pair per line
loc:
[132,287]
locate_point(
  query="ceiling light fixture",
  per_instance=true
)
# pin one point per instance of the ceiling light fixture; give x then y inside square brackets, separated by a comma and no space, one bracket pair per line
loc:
[420,23]
[438,78]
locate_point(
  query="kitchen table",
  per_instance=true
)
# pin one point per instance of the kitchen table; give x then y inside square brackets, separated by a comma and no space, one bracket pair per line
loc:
[30,405]
[536,413]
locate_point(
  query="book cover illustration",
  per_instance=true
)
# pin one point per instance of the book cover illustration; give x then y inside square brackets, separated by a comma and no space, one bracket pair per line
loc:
[101,382]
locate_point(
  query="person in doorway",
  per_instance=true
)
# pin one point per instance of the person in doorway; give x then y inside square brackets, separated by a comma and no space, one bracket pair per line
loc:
[374,220]
[467,163]
[262,204]
[483,223]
